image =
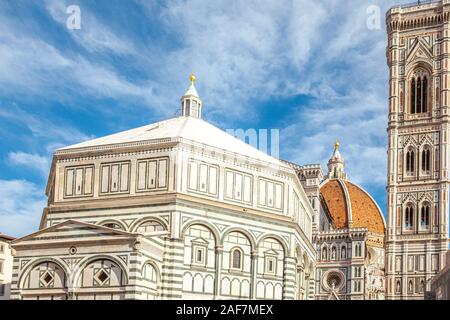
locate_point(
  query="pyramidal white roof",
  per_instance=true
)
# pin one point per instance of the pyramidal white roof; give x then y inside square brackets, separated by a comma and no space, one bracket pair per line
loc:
[189,128]
[337,155]
[191,91]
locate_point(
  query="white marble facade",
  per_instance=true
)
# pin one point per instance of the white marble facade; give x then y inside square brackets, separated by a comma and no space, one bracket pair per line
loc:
[180,209]
[174,210]
[418,155]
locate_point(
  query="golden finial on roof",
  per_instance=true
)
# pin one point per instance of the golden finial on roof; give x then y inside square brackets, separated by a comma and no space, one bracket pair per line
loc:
[192,77]
[336,144]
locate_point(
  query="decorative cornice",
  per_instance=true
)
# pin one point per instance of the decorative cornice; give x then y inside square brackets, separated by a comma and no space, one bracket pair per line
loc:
[341,234]
[413,16]
[176,144]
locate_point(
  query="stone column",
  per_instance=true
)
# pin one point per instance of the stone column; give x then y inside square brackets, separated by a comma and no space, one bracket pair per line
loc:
[172,273]
[307,284]
[15,286]
[312,284]
[134,274]
[218,276]
[300,282]
[289,278]
[253,271]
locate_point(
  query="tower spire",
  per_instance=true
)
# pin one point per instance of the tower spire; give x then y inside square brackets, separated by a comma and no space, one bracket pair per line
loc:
[336,164]
[192,78]
[336,144]
[191,105]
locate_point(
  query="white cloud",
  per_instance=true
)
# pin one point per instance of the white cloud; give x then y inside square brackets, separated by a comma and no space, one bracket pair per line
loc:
[52,134]
[358,124]
[21,205]
[38,68]
[93,36]
[238,49]
[256,50]
[242,52]
[32,161]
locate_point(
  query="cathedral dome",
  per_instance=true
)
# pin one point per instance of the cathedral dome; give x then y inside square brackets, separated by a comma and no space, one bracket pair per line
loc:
[349,205]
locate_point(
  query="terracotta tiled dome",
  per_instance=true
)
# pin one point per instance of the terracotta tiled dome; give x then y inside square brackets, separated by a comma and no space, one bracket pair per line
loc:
[346,201]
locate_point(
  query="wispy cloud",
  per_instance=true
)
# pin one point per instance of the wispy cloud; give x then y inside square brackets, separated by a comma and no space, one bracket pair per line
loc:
[31,64]
[32,161]
[21,205]
[51,134]
[246,54]
[95,36]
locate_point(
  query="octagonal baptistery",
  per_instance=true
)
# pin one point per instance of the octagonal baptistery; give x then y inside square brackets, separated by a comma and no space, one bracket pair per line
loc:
[350,238]
[178,209]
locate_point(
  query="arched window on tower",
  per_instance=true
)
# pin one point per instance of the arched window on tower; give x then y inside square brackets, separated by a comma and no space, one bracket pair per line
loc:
[410,163]
[436,215]
[418,92]
[409,216]
[426,158]
[418,106]
[424,94]
[425,216]
[413,96]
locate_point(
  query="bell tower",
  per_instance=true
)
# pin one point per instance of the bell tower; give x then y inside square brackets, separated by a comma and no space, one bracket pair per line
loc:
[191,105]
[418,57]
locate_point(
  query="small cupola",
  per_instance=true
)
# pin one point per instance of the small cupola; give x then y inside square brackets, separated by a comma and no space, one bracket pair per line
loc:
[191,105]
[336,164]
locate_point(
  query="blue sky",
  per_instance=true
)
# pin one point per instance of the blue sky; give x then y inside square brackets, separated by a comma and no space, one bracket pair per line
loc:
[312,69]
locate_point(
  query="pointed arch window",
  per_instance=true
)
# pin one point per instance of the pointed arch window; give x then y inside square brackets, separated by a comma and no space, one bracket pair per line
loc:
[424,94]
[419,92]
[418,106]
[426,160]
[409,216]
[410,163]
[413,96]
[436,217]
[425,216]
